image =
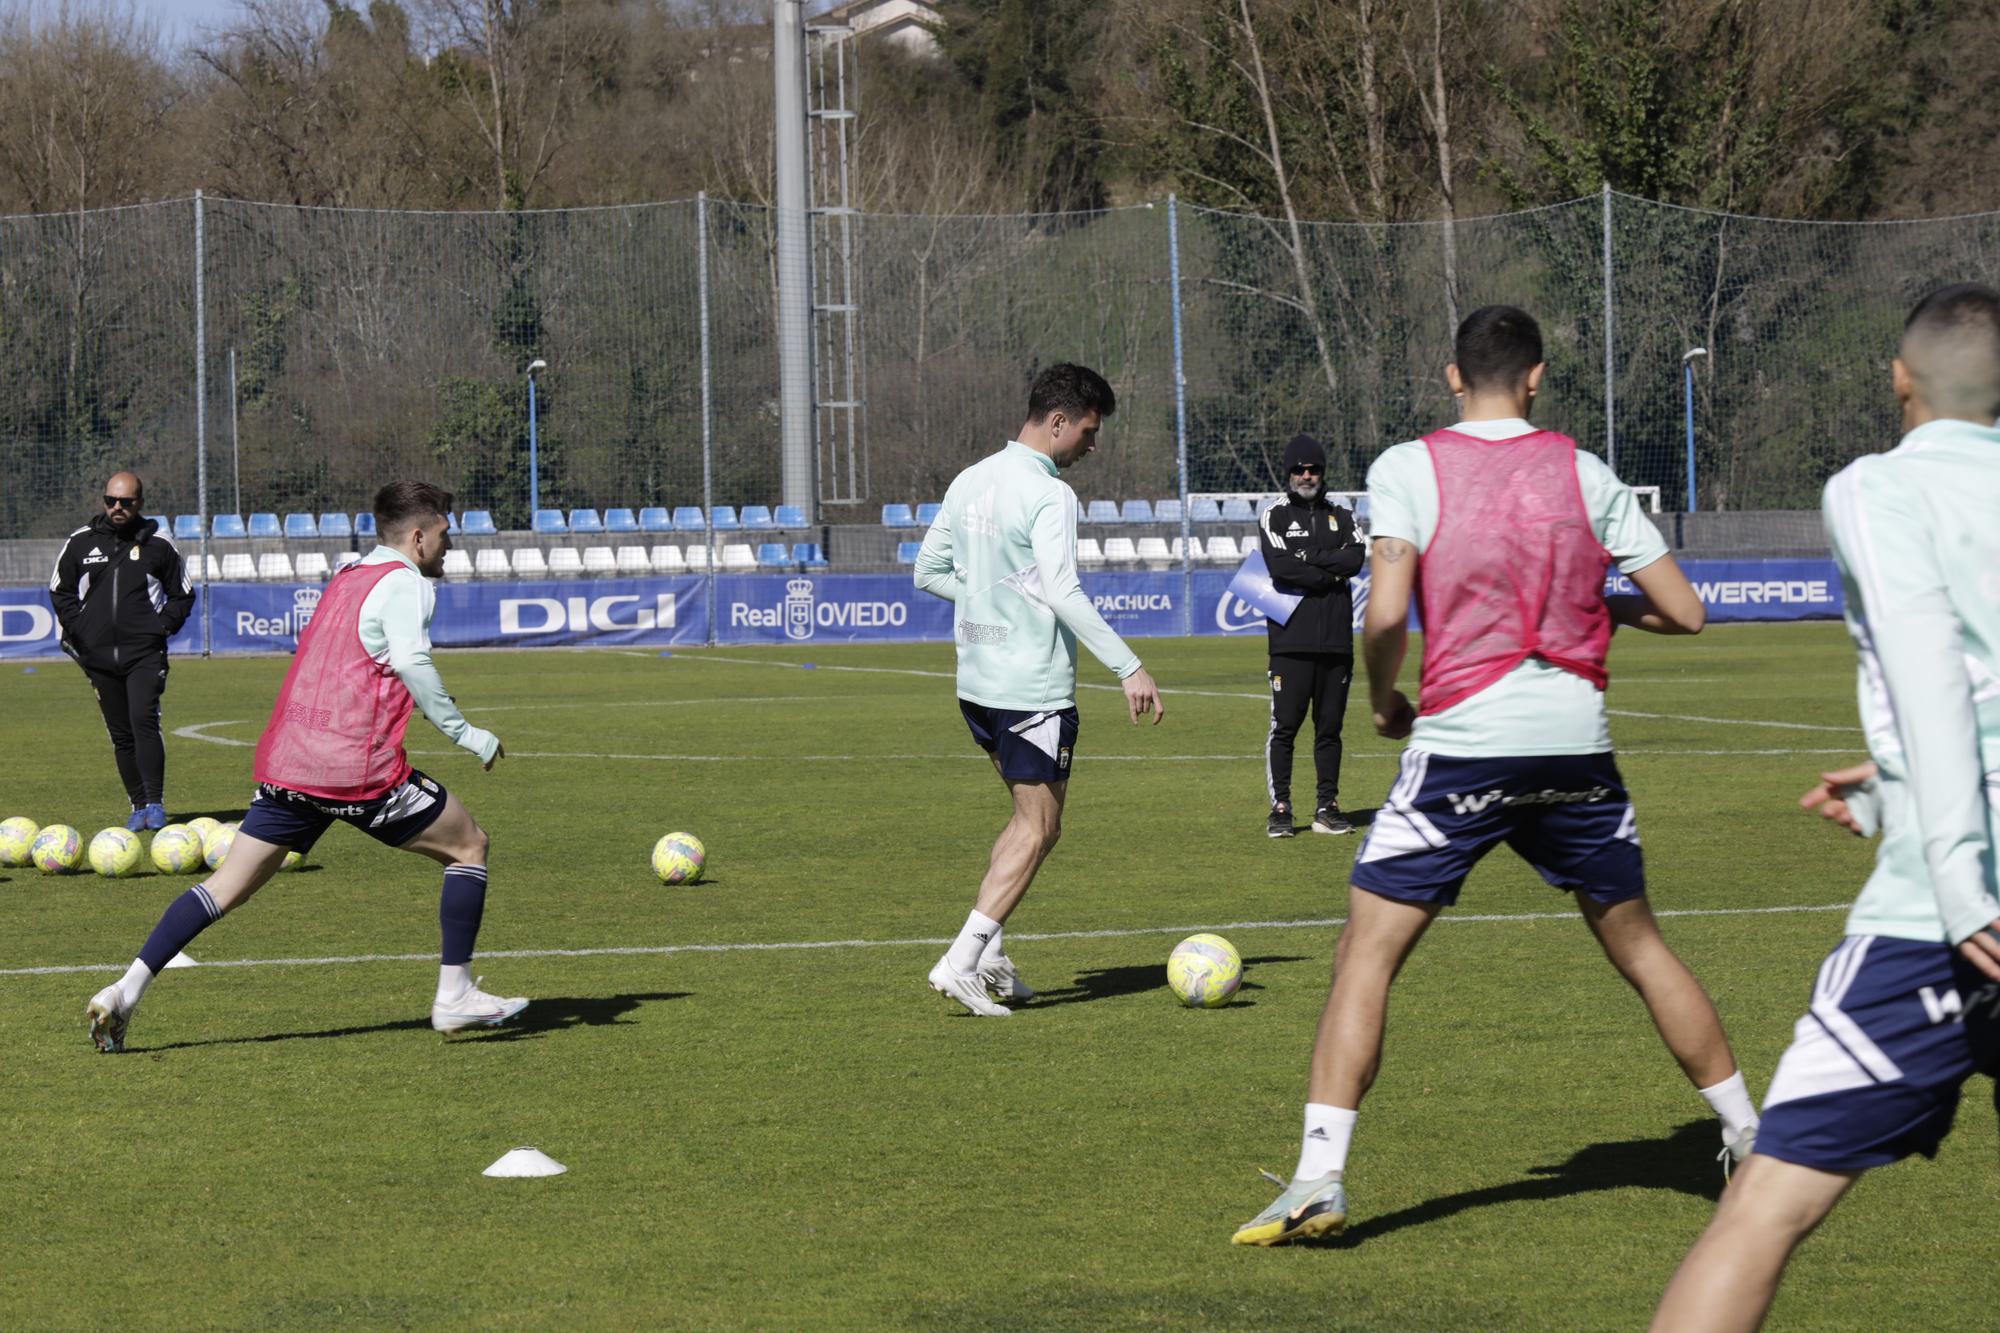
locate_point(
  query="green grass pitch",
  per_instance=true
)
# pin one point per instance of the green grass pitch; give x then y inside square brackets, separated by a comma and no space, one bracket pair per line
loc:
[788,1138]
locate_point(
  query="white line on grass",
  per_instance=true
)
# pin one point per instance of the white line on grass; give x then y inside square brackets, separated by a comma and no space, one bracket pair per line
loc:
[652,950]
[974,756]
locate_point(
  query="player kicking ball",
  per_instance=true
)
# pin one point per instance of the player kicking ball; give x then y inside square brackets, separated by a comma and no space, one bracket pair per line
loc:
[1003,550]
[1504,534]
[1907,1007]
[333,750]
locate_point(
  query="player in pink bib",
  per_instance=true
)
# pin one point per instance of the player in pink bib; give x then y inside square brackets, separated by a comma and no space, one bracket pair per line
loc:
[333,751]
[1503,535]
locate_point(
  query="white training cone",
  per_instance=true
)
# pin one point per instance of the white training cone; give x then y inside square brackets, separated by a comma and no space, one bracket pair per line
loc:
[526,1162]
[181,960]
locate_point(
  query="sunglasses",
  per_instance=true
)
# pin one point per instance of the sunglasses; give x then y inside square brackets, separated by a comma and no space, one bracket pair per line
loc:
[1309,470]
[122,502]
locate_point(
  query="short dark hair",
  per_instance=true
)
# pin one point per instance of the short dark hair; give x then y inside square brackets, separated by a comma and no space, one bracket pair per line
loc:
[1496,347]
[401,503]
[1070,389]
[1960,307]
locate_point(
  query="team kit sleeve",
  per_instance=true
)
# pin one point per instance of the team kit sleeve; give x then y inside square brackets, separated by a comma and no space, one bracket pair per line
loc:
[1391,505]
[1053,536]
[1289,566]
[1617,516]
[937,565]
[1881,539]
[62,587]
[405,610]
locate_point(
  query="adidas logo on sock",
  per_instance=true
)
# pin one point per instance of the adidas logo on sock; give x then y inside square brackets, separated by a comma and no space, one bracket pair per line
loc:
[1317,1133]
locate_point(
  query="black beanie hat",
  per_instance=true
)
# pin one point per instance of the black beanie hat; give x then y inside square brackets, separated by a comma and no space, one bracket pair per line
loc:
[1304,449]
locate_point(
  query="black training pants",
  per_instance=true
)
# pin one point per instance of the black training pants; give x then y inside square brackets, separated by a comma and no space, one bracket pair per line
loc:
[130,702]
[1299,681]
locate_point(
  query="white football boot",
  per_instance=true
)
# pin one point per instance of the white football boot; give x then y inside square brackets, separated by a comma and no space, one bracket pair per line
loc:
[1735,1150]
[109,1015]
[475,1008]
[1001,978]
[965,987]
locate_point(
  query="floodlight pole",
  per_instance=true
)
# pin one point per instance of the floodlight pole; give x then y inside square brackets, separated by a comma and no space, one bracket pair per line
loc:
[534,446]
[795,350]
[1180,414]
[1687,376]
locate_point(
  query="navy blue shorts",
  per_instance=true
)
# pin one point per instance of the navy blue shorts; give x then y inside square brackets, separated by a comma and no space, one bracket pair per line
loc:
[1031,747]
[1873,1073]
[1567,815]
[293,819]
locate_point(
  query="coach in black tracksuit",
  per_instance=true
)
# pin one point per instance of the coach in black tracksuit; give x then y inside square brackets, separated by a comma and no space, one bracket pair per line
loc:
[1310,547]
[121,591]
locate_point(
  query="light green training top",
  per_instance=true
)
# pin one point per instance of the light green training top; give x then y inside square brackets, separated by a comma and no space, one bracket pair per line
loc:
[1003,548]
[1535,708]
[1916,534]
[395,628]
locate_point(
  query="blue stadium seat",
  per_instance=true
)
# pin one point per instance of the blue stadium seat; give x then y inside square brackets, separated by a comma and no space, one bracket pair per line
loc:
[906,552]
[773,555]
[160,522]
[688,518]
[792,516]
[620,520]
[187,527]
[451,524]
[364,524]
[227,525]
[898,516]
[1137,511]
[1238,511]
[550,520]
[585,520]
[335,525]
[479,523]
[927,514]
[265,525]
[1101,511]
[1204,510]
[300,526]
[809,555]
[1166,511]
[726,520]
[655,519]
[757,518]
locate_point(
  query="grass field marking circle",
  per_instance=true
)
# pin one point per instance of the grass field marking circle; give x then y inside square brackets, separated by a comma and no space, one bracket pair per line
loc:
[199,732]
[752,946]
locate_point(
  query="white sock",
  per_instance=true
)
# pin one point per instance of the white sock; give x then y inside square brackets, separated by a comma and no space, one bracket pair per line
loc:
[133,984]
[1730,1099]
[963,956]
[454,979]
[1329,1130]
[995,947]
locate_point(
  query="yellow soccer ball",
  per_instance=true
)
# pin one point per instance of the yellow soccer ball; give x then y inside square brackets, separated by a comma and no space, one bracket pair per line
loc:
[1205,971]
[58,850]
[678,858]
[17,840]
[216,845]
[202,826]
[293,860]
[115,853]
[176,849]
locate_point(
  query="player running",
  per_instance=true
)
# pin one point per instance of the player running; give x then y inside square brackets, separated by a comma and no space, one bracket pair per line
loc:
[1907,1007]
[1003,549]
[1504,534]
[333,750]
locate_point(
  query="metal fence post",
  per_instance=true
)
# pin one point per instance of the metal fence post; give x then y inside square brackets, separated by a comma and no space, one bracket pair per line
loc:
[707,406]
[1610,394]
[201,412]
[1180,414]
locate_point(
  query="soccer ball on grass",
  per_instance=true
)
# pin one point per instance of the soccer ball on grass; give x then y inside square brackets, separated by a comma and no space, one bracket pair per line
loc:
[678,858]
[58,849]
[215,845]
[202,826]
[114,853]
[176,849]
[1205,971]
[17,840]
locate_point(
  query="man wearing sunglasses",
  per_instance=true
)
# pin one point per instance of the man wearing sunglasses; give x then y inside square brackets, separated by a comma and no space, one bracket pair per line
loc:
[121,590]
[1311,546]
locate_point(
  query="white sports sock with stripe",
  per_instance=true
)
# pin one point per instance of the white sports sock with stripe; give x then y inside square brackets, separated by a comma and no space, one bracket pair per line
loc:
[1730,1100]
[973,936]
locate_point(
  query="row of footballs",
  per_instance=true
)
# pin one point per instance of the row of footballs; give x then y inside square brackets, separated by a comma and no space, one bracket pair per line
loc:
[115,852]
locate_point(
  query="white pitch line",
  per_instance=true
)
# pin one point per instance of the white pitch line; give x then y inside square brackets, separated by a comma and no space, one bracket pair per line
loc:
[930,941]
[1732,721]
[971,755]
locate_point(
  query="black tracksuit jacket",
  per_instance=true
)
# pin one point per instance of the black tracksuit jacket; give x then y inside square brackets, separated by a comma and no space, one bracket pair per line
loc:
[1312,548]
[119,596]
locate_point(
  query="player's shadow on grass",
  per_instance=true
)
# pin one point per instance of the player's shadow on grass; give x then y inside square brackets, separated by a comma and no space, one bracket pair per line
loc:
[1683,1161]
[540,1018]
[1108,983]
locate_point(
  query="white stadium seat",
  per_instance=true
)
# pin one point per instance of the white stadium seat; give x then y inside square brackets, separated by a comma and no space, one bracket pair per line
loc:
[275,566]
[599,560]
[214,569]
[737,557]
[311,565]
[1088,553]
[237,566]
[1222,550]
[565,560]
[457,564]
[529,562]
[1120,551]
[632,560]
[489,563]
[346,558]
[697,559]
[667,560]
[1153,551]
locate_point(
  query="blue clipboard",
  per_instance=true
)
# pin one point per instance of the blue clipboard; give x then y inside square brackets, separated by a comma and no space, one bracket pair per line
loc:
[1253,584]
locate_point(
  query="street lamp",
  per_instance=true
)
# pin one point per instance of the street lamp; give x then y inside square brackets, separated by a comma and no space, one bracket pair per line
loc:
[1687,375]
[534,451]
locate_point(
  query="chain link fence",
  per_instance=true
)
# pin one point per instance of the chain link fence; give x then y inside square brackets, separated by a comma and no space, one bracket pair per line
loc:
[342,348]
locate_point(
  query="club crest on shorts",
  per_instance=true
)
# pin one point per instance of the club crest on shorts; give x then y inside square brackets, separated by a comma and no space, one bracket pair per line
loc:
[1277,682]
[1062,759]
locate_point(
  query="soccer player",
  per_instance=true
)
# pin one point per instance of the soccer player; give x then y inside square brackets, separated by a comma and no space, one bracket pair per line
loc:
[1003,549]
[1907,1006]
[1504,534]
[333,750]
